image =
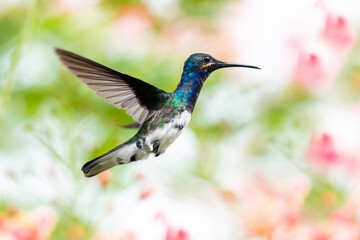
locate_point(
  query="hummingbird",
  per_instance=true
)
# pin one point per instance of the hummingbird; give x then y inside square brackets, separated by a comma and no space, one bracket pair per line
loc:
[160,116]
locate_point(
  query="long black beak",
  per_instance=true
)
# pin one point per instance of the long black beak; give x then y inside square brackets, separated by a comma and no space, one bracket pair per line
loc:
[220,64]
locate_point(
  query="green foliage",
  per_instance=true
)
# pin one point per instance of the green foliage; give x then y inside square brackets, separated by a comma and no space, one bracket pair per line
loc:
[113,4]
[323,199]
[202,8]
[71,227]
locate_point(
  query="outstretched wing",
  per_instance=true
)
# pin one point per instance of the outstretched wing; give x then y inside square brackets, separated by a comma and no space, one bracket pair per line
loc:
[137,97]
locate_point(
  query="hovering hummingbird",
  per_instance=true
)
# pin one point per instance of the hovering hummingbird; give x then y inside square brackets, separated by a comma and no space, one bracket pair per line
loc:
[159,115]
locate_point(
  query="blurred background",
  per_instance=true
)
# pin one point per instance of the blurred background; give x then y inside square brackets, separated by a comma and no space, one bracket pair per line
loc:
[270,154]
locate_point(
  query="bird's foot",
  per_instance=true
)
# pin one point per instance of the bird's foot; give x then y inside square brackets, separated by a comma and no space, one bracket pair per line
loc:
[156,145]
[139,144]
[179,126]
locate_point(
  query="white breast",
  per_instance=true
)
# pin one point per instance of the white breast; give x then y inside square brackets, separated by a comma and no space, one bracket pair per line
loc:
[169,132]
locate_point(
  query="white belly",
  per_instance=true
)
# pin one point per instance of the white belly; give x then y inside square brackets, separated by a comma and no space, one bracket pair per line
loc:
[169,132]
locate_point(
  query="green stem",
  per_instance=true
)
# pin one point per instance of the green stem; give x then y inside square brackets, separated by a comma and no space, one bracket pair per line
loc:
[52,150]
[25,34]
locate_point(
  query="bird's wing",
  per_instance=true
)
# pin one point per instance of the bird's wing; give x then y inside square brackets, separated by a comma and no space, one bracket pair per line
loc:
[137,97]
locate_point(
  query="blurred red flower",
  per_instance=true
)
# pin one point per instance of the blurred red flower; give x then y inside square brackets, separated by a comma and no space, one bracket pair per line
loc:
[104,178]
[322,151]
[310,69]
[176,234]
[324,154]
[146,191]
[171,232]
[337,31]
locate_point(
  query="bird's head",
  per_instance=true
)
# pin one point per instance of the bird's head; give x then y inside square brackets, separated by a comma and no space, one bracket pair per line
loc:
[202,62]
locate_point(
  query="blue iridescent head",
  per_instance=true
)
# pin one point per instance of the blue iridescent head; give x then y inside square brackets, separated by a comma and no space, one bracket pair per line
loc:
[196,70]
[204,63]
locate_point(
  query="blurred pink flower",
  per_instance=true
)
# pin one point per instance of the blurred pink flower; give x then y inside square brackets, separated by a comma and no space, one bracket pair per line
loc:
[278,207]
[172,232]
[324,154]
[146,191]
[44,220]
[176,234]
[122,235]
[19,225]
[310,69]
[322,151]
[327,229]
[337,31]
[318,62]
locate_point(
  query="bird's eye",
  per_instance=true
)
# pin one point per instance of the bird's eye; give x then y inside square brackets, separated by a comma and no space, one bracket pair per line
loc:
[207,59]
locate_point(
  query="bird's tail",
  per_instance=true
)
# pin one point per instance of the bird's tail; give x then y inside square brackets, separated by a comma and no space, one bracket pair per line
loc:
[127,152]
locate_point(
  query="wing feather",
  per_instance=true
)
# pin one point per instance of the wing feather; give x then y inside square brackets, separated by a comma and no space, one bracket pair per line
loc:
[137,97]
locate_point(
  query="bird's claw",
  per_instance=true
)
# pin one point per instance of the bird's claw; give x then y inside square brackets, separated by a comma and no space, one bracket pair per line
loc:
[156,145]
